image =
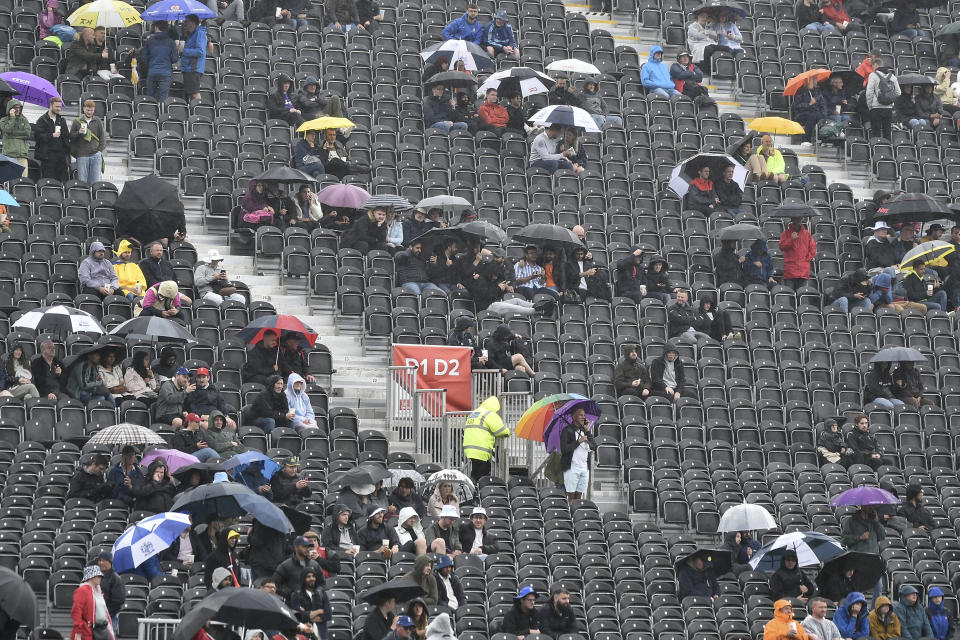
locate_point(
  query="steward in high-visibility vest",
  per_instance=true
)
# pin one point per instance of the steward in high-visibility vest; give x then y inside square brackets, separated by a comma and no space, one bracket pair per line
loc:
[480,433]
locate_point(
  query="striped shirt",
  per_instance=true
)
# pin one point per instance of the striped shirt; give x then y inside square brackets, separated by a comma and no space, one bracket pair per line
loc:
[524,269]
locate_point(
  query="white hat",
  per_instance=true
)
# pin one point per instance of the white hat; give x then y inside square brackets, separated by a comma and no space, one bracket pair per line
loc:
[214,256]
[91,572]
[880,225]
[479,511]
[449,511]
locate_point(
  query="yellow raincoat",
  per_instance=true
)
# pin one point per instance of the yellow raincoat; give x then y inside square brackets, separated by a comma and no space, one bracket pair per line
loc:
[129,273]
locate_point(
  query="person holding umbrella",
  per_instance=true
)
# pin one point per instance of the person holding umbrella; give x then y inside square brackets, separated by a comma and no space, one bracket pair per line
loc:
[696,578]
[544,154]
[907,385]
[576,442]
[918,290]
[789,581]
[808,109]
[438,111]
[380,621]
[799,249]
[193,55]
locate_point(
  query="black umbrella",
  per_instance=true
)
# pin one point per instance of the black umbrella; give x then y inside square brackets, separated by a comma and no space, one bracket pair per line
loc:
[285,175]
[719,559]
[914,79]
[301,521]
[231,500]
[547,234]
[206,469]
[734,147]
[149,209]
[483,230]
[793,210]
[868,567]
[898,354]
[914,207]
[251,608]
[6,89]
[81,355]
[403,589]
[452,79]
[438,236]
[10,169]
[153,328]
[17,599]
[852,81]
[359,475]
[741,231]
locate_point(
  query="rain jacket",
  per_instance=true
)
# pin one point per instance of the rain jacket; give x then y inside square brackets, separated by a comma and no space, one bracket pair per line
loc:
[206,401]
[440,628]
[410,267]
[682,74]
[279,103]
[591,100]
[428,582]
[887,627]
[371,538]
[699,37]
[194,55]
[219,440]
[84,376]
[877,382]
[203,277]
[224,557]
[81,58]
[680,318]
[16,132]
[775,162]
[855,526]
[630,274]
[658,281]
[691,582]
[461,29]
[481,430]
[518,622]
[499,36]
[913,618]
[797,254]
[627,371]
[128,273]
[865,69]
[153,496]
[500,348]
[655,74]
[726,264]
[270,404]
[286,491]
[914,286]
[83,612]
[97,273]
[299,403]
[943,89]
[785,583]
[310,103]
[303,602]
[159,54]
[332,533]
[658,366]
[940,619]
[405,535]
[849,626]
[879,252]
[850,285]
[777,628]
[260,363]
[881,291]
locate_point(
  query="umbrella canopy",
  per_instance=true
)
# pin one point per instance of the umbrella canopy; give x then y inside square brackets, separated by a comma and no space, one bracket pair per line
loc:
[403,589]
[452,203]
[362,474]
[563,418]
[548,234]
[741,231]
[17,599]
[928,252]
[522,80]
[6,89]
[60,320]
[914,80]
[241,462]
[389,200]
[859,496]
[80,355]
[399,474]
[6,199]
[792,210]
[126,433]
[348,196]
[799,81]
[898,354]
[811,548]
[10,169]
[720,560]
[437,236]
[736,143]
[474,58]
[149,209]
[154,328]
[572,65]
[146,539]
[852,81]
[105,13]
[206,469]
[867,569]
[714,7]
[534,420]
[484,231]
[775,126]
[462,484]
[231,500]
[285,175]
[176,10]
[174,459]
[913,207]
[746,517]
[952,30]
[326,122]
[30,88]
[685,172]
[452,79]
[251,608]
[253,332]
[565,116]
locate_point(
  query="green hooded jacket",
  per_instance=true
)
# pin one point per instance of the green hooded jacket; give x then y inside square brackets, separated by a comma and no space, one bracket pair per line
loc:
[221,440]
[16,132]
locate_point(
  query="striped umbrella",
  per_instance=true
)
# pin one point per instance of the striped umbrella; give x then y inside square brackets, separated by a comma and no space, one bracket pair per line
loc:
[147,538]
[105,13]
[395,202]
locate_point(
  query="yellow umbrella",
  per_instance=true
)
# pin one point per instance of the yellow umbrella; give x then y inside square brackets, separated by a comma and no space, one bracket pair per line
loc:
[929,252]
[775,126]
[325,122]
[105,13]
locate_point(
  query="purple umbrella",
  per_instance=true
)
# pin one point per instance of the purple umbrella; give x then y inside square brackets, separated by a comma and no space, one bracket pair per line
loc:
[563,417]
[343,195]
[859,496]
[174,458]
[31,88]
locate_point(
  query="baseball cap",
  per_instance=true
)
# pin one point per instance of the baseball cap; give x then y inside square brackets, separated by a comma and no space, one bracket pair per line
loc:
[292,461]
[203,371]
[302,541]
[444,561]
[449,511]
[936,227]
[881,225]
[192,417]
[182,371]
[405,621]
[375,511]
[526,591]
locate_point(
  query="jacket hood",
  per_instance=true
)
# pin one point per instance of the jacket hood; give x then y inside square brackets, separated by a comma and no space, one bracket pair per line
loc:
[654,260]
[159,462]
[668,347]
[705,300]
[405,514]
[778,612]
[222,538]
[96,246]
[941,74]
[588,80]
[292,380]
[882,280]
[124,246]
[420,564]
[879,602]
[934,592]
[490,404]
[625,349]
[440,627]
[502,333]
[311,80]
[906,590]
[463,322]
[281,79]
[14,103]
[853,598]
[758,247]
[654,50]
[338,509]
[168,289]
[303,577]
[214,414]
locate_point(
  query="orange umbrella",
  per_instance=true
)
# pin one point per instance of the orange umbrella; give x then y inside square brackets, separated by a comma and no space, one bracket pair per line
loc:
[795,83]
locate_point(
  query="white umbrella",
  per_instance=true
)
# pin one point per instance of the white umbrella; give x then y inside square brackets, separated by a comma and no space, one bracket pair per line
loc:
[565,116]
[453,203]
[528,81]
[684,173]
[473,56]
[746,517]
[811,548]
[572,65]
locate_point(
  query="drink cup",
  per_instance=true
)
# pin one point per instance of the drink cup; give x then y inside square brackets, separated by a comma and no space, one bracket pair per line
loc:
[929,289]
[190,558]
[113,69]
[386,542]
[838,109]
[278,12]
[56,129]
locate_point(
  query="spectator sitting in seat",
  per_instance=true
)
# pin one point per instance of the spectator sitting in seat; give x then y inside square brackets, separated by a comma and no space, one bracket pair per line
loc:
[130,279]
[878,250]
[287,487]
[139,379]
[442,270]
[466,27]
[88,483]
[270,409]
[884,624]
[929,105]
[442,535]
[369,13]
[657,281]
[263,359]
[908,112]
[581,277]
[523,619]
[906,22]
[697,578]
[306,155]
[530,275]
[851,616]
[782,626]
[879,386]
[799,249]
[942,619]
[84,382]
[155,491]
[830,443]
[789,581]
[96,273]
[853,291]
[334,157]
[808,110]
[410,533]
[756,164]
[411,270]
[913,510]
[368,232]
[466,111]
[502,353]
[293,358]
[727,265]
[255,206]
[701,197]
[212,282]
[206,398]
[714,322]
[905,242]
[681,318]
[462,336]
[189,438]
[835,13]
[810,17]
[299,403]
[416,225]
[630,376]
[543,151]
[667,378]
[52,23]
[518,115]
[312,104]
[917,289]
[47,369]
[82,55]
[493,115]
[439,65]
[163,300]
[16,376]
[562,93]
[280,102]
[881,290]
[655,75]
[729,193]
[944,90]
[835,101]
[405,495]
[728,33]
[914,623]
[702,40]
[307,211]
[491,284]
[221,439]
[154,267]
[578,155]
[776,165]
[863,446]
[124,475]
[498,38]
[371,536]
[687,77]
[594,104]
[907,385]
[556,614]
[342,14]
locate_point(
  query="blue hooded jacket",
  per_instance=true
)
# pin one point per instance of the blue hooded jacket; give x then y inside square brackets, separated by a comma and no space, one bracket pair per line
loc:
[194,56]
[758,253]
[655,74]
[881,291]
[499,36]
[849,626]
[160,54]
[940,618]
[460,29]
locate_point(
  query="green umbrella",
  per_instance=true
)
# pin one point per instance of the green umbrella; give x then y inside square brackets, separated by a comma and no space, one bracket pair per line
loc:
[952,29]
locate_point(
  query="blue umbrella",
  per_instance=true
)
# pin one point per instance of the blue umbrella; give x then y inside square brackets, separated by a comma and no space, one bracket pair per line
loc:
[227,500]
[8,200]
[175,10]
[10,169]
[240,463]
[146,539]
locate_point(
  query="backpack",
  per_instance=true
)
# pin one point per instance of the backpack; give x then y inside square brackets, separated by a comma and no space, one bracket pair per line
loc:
[886,89]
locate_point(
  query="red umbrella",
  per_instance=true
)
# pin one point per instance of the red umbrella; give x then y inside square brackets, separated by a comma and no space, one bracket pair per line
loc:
[253,332]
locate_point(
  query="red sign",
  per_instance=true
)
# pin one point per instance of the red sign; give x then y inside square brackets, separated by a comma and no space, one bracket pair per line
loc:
[439,368]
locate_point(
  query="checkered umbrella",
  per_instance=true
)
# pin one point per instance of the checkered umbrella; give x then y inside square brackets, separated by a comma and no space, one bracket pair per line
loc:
[397,203]
[147,538]
[126,433]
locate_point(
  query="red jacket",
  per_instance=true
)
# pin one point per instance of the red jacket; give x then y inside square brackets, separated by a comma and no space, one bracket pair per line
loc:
[494,114]
[865,69]
[797,254]
[83,613]
[835,12]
